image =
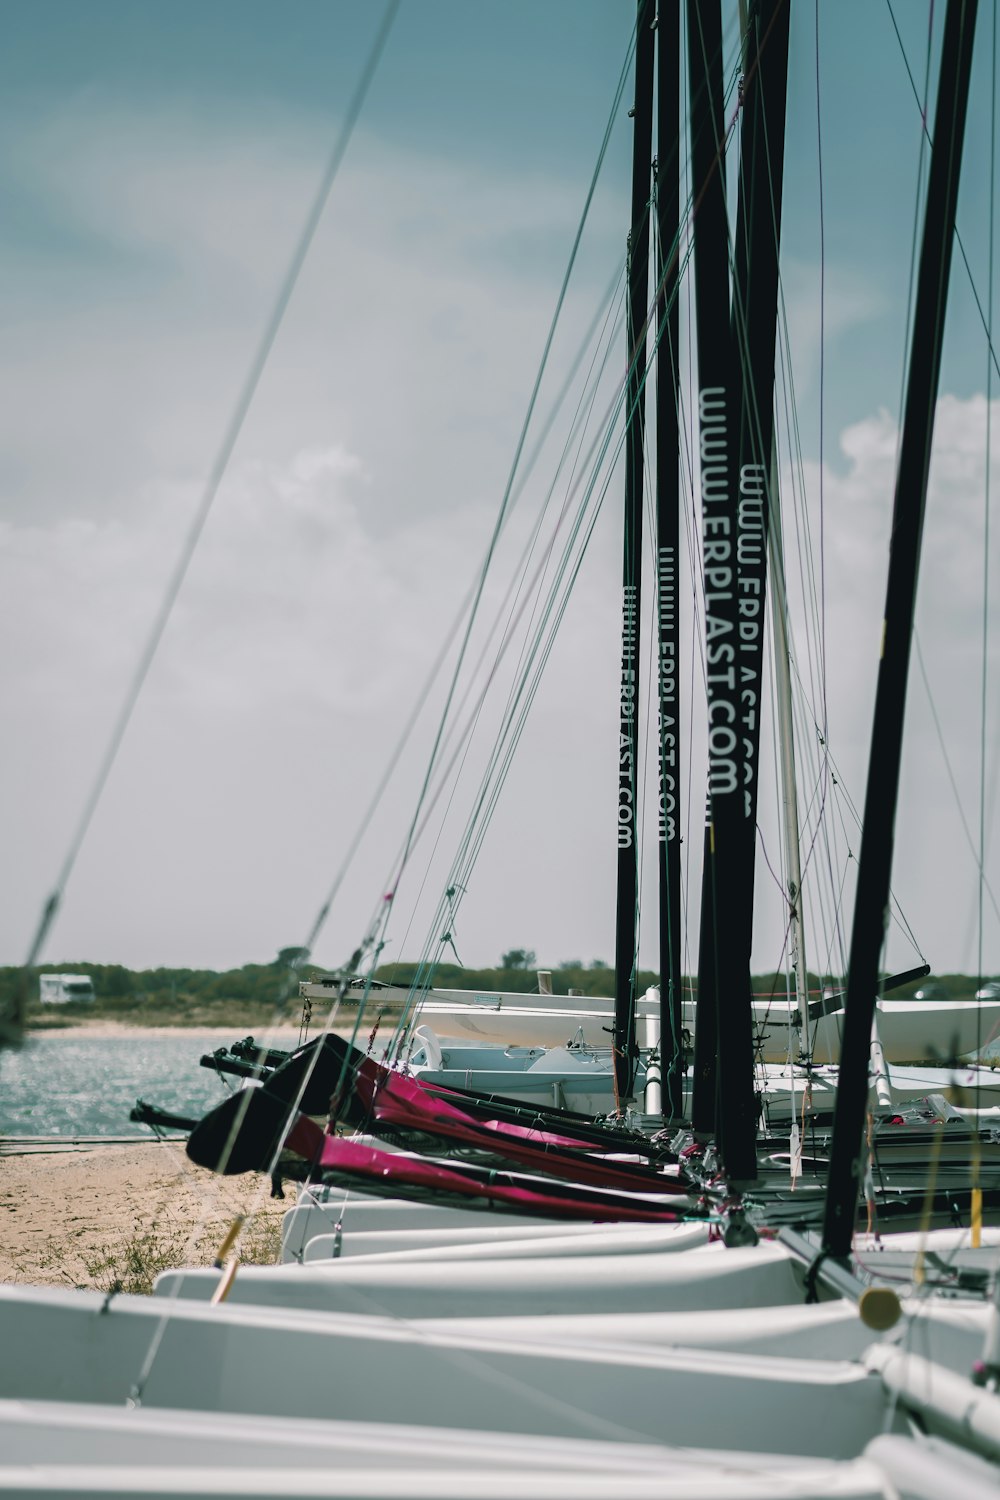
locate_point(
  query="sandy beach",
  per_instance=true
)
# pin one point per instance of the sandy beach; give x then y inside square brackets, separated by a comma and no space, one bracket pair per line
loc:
[272,1036]
[93,1214]
[96,1215]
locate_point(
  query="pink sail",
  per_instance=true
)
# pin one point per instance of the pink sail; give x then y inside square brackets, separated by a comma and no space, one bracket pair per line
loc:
[368,1165]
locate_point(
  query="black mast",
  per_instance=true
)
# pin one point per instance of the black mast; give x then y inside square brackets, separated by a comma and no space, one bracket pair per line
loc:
[755,311]
[723,1025]
[668,551]
[875,865]
[628,736]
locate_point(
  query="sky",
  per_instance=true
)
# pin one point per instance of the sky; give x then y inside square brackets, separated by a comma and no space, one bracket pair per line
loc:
[156,166]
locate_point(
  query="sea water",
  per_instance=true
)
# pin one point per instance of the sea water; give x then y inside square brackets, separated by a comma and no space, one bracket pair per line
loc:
[71,1084]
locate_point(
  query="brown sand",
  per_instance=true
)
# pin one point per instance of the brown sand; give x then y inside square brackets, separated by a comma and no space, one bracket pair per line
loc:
[272,1036]
[97,1216]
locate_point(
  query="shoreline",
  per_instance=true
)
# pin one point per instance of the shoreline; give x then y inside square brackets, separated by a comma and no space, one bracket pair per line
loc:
[106,1030]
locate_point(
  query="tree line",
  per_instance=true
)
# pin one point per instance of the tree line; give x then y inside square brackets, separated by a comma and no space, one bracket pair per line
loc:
[259,987]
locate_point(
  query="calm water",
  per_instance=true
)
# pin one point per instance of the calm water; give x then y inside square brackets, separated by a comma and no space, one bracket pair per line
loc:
[77,1085]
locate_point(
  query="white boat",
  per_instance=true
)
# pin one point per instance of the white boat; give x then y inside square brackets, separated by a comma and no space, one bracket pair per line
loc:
[58,1449]
[911,1031]
[546,1363]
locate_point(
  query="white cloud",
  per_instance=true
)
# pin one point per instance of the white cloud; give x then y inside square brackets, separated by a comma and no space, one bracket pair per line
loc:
[347,531]
[340,544]
[934,874]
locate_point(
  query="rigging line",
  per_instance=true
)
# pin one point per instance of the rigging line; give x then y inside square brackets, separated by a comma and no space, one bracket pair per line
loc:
[577,436]
[505,507]
[986,514]
[794,490]
[578,431]
[601,442]
[899,916]
[603,313]
[462,864]
[915,238]
[453,690]
[505,502]
[547,557]
[365,821]
[979,854]
[987,328]
[537,592]
[494,783]
[216,473]
[138,1386]
[606,429]
[804,551]
[822,387]
[511,730]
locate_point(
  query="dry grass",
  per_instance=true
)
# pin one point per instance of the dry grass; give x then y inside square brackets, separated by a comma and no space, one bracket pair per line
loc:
[133,1262]
[112,1217]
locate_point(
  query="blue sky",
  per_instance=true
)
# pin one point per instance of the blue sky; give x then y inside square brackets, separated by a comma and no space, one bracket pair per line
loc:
[156,164]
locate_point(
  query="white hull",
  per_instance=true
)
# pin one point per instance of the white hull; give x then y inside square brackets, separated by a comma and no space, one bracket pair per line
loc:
[910,1030]
[583,1079]
[577,1078]
[57,1449]
[279,1362]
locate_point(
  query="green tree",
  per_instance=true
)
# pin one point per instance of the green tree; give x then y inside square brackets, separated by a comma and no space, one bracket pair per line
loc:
[518,958]
[292,958]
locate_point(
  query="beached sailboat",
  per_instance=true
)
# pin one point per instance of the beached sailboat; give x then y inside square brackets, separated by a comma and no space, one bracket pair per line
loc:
[629,1357]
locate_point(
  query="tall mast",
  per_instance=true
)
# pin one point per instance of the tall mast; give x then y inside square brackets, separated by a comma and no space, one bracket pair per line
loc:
[723,1016]
[668,44]
[628,736]
[875,864]
[755,304]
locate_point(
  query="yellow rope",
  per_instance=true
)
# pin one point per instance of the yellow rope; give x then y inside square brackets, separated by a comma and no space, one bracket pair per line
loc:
[925,1217]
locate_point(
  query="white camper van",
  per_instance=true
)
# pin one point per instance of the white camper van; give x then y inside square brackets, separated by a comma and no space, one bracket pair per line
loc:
[59,989]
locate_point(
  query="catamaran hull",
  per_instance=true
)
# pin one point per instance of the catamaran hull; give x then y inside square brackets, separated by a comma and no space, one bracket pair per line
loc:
[276,1362]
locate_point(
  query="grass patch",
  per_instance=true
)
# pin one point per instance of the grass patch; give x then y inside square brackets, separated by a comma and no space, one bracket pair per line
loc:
[132,1264]
[260,1243]
[133,1261]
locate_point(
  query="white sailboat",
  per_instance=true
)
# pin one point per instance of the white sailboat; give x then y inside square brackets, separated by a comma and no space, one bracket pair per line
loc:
[911,1031]
[543,1362]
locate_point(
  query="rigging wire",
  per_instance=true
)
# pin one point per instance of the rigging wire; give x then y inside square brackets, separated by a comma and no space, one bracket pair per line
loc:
[983,692]
[977,851]
[511,729]
[822,386]
[216,473]
[576,437]
[423,696]
[987,327]
[922,171]
[374,942]
[623,391]
[506,498]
